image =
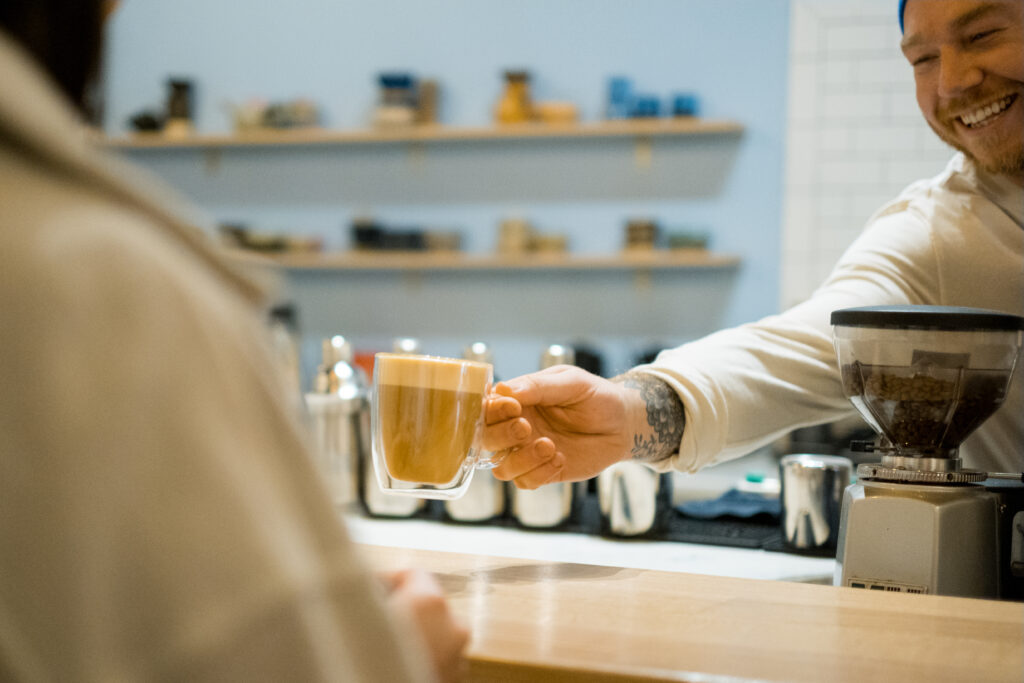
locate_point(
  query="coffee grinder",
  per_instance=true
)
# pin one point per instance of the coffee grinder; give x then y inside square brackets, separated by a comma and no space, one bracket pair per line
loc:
[925,377]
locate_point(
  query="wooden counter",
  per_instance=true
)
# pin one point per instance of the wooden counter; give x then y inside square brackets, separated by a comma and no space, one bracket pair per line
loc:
[544,621]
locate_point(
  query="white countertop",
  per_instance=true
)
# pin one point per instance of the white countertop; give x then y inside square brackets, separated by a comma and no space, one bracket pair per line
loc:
[587,549]
[560,546]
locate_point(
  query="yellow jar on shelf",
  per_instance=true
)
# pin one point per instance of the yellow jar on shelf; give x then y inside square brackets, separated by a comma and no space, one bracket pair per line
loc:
[515,105]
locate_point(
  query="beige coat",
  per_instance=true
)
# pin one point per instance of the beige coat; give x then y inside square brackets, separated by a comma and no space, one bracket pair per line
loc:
[159,513]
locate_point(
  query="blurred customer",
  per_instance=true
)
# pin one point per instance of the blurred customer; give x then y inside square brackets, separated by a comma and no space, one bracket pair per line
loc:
[159,516]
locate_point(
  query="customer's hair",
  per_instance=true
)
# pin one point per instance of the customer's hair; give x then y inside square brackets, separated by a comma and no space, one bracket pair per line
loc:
[65,36]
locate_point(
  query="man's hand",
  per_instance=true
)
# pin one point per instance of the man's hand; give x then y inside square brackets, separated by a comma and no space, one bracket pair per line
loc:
[417,594]
[563,424]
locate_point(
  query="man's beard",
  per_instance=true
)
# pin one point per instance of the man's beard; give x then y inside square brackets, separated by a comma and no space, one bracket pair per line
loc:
[1003,159]
[998,155]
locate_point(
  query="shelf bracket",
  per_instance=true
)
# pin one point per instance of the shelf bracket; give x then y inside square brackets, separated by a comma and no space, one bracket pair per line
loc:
[417,153]
[211,160]
[643,152]
[413,279]
[643,280]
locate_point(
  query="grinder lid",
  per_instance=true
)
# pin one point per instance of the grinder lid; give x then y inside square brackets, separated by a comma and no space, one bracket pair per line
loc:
[927,318]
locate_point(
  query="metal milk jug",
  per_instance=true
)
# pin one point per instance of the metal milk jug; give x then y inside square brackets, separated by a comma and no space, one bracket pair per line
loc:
[633,499]
[339,411]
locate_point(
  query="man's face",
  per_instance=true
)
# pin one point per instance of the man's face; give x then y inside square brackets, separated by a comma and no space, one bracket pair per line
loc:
[968,60]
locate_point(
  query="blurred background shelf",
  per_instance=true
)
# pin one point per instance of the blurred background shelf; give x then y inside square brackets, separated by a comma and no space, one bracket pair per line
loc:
[641,128]
[675,259]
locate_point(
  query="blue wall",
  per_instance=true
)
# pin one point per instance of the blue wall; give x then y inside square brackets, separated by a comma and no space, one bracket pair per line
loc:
[733,53]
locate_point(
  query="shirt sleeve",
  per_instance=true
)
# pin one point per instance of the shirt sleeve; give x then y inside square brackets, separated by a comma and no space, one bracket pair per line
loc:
[741,388]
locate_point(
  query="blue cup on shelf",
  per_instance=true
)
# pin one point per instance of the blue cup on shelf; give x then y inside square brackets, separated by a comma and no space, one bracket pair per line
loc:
[684,104]
[645,107]
[620,91]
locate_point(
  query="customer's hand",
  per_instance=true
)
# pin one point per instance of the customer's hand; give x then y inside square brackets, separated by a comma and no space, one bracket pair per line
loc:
[417,594]
[559,424]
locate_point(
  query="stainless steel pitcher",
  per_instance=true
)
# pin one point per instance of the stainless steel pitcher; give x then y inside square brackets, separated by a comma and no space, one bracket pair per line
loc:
[812,498]
[338,408]
[633,499]
[546,507]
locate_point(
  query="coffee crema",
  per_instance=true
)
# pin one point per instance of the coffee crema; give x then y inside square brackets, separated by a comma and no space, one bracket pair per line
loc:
[428,411]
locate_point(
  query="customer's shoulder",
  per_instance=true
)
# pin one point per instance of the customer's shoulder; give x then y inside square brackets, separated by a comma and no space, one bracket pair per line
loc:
[53,224]
[86,268]
[79,230]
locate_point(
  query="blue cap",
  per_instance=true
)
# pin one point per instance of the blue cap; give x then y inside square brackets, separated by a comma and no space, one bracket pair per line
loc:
[903,6]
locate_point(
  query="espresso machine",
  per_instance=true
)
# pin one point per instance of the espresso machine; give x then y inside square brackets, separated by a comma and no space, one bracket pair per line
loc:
[917,521]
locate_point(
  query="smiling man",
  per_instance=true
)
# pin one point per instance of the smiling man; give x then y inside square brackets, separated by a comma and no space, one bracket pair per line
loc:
[953,240]
[969,71]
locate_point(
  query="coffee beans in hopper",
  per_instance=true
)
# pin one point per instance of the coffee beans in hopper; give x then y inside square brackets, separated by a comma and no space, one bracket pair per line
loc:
[921,412]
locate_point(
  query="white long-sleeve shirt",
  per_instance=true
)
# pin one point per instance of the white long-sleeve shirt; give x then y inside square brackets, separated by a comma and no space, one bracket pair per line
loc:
[954,240]
[160,517]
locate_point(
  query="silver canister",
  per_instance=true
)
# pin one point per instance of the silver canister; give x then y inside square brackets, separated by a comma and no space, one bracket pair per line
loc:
[374,500]
[552,504]
[633,499]
[339,410]
[811,494]
[484,499]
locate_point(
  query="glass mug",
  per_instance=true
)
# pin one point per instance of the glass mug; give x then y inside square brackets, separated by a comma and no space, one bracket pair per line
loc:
[426,420]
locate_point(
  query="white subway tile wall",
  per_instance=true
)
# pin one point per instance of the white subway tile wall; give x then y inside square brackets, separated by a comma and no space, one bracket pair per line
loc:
[855,135]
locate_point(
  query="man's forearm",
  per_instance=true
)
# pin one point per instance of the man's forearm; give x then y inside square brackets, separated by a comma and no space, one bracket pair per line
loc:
[664,416]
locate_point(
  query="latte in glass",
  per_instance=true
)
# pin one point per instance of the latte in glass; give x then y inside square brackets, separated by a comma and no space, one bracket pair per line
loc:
[426,418]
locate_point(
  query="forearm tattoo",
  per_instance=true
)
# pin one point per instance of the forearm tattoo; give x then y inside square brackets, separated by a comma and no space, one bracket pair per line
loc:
[664,415]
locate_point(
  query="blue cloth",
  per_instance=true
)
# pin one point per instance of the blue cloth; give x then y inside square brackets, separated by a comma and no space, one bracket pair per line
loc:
[733,503]
[903,6]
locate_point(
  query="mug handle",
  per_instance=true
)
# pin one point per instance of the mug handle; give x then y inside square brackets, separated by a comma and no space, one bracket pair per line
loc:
[488,460]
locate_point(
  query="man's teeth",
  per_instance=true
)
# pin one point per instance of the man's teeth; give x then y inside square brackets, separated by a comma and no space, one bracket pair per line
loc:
[980,116]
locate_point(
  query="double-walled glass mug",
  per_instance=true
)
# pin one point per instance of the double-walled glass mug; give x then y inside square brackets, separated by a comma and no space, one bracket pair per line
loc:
[426,420]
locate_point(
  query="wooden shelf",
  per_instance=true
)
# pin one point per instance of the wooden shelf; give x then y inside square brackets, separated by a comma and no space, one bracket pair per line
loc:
[639,128]
[673,259]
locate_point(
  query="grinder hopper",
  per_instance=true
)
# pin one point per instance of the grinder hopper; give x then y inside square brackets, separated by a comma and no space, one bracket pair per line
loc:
[925,377]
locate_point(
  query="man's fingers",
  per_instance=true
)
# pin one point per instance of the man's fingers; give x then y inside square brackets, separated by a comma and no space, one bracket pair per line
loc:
[551,471]
[500,408]
[504,435]
[522,462]
[559,385]
[548,472]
